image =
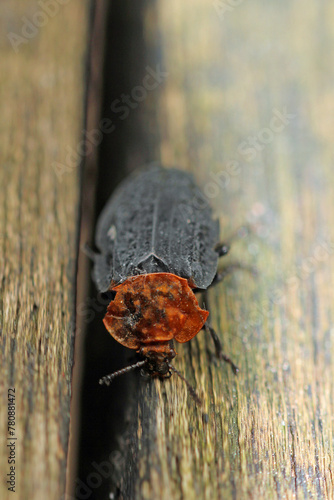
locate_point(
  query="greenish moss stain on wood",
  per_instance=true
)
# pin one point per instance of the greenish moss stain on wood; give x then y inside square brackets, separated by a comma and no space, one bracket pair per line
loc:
[41,92]
[270,429]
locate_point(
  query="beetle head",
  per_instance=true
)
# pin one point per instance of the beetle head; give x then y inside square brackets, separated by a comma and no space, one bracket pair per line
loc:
[156,364]
[157,360]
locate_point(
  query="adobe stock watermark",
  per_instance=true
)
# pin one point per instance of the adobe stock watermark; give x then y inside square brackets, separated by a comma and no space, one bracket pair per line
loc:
[121,108]
[248,150]
[222,7]
[253,144]
[101,472]
[31,25]
[88,309]
[278,296]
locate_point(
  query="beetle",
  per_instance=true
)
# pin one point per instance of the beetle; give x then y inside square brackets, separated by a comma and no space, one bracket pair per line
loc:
[158,245]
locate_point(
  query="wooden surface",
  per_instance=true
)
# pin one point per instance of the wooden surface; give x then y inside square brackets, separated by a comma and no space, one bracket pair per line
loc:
[234,69]
[88,171]
[41,92]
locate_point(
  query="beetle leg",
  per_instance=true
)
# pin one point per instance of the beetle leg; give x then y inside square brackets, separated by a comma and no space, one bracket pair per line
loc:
[218,347]
[88,251]
[220,275]
[223,248]
[216,340]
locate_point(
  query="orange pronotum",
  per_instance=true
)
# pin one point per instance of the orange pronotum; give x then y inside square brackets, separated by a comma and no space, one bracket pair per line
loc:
[152,309]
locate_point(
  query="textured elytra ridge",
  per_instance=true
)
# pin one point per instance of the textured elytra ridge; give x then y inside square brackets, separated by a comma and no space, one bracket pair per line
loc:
[157,221]
[154,308]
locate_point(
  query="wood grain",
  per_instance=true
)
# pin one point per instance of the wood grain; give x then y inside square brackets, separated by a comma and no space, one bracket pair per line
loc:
[41,88]
[249,98]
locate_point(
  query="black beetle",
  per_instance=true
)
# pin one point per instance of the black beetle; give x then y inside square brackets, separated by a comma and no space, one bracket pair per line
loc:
[158,245]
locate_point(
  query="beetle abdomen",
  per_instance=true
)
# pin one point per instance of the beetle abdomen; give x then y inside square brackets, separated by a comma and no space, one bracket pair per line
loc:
[156,221]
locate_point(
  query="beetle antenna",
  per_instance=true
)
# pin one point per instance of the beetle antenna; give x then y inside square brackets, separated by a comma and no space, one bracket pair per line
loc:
[109,378]
[191,390]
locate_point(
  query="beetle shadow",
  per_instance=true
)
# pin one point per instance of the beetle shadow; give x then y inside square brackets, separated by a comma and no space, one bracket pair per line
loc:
[131,144]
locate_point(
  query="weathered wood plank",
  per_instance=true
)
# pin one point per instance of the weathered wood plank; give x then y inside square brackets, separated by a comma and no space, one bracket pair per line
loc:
[92,135]
[41,88]
[249,98]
